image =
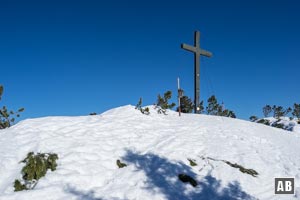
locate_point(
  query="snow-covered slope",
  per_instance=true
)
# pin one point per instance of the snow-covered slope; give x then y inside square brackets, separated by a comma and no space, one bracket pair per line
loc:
[155,147]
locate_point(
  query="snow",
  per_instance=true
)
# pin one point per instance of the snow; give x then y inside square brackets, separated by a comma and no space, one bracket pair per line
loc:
[155,148]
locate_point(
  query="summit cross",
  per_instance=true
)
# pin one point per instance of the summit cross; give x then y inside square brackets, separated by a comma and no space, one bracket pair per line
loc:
[197,53]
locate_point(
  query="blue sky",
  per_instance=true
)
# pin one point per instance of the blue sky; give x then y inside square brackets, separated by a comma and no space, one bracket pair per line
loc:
[77,57]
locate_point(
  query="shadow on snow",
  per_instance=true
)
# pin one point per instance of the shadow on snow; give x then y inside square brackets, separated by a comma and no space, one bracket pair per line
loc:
[84,195]
[163,175]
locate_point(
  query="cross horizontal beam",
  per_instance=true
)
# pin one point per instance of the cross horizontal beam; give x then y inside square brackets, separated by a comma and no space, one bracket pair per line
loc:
[205,53]
[189,48]
[196,50]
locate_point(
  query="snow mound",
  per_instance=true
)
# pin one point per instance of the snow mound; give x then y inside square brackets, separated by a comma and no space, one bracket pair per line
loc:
[155,148]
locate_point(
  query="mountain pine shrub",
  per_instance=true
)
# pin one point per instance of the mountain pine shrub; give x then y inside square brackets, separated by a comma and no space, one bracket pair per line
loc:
[267,109]
[278,125]
[264,121]
[192,162]
[7,118]
[253,118]
[296,111]
[251,172]
[19,186]
[214,108]
[227,113]
[279,111]
[36,166]
[138,106]
[120,164]
[163,102]
[186,105]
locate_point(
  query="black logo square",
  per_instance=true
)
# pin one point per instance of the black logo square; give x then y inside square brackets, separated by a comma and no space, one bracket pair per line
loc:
[284,185]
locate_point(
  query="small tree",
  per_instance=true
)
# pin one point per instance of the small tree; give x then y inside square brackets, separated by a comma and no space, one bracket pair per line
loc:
[228,113]
[267,110]
[213,108]
[296,111]
[253,118]
[7,118]
[279,111]
[138,106]
[186,105]
[163,102]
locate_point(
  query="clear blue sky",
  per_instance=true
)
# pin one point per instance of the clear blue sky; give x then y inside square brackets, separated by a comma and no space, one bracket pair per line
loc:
[77,57]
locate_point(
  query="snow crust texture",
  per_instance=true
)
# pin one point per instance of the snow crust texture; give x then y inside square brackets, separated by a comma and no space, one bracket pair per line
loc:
[155,148]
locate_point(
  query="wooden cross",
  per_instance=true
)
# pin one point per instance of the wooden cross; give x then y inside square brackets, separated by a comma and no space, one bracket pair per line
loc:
[197,52]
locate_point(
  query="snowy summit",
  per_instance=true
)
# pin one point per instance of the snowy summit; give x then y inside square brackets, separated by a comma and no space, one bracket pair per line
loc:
[227,158]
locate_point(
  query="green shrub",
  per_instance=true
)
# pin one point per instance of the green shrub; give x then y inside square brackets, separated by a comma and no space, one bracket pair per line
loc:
[279,111]
[120,164]
[264,121]
[192,162]
[253,118]
[214,108]
[186,105]
[7,118]
[19,186]
[277,125]
[146,111]
[36,166]
[163,102]
[138,106]
[267,109]
[228,113]
[251,172]
[296,111]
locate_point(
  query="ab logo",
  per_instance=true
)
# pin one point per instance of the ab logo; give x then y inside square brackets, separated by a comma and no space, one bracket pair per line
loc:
[284,185]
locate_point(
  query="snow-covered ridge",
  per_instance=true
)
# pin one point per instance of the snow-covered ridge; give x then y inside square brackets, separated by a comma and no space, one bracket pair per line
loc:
[155,148]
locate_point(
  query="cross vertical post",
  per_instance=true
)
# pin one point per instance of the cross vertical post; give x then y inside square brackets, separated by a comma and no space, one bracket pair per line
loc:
[197,53]
[197,71]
